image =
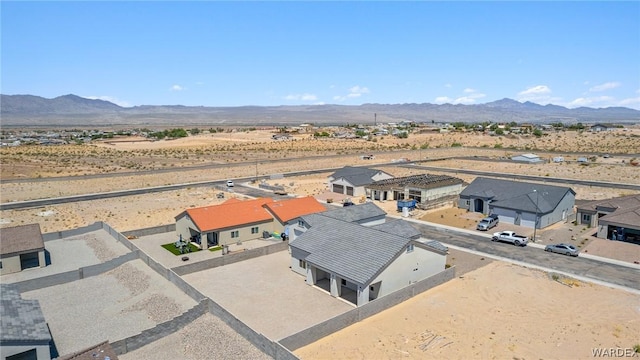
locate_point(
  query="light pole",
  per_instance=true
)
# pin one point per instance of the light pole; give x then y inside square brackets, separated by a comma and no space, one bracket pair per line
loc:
[535,225]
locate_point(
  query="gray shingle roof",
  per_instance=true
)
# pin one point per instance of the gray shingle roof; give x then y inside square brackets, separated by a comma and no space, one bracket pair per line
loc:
[357,176]
[356,213]
[517,195]
[400,228]
[21,319]
[352,251]
[20,239]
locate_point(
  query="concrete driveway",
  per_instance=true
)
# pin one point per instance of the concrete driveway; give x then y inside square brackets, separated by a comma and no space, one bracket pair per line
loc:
[266,295]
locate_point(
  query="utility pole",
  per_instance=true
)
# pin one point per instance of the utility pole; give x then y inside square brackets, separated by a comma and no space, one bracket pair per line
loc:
[535,225]
[375,119]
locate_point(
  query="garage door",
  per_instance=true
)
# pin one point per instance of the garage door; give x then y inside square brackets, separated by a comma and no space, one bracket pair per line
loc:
[505,216]
[338,189]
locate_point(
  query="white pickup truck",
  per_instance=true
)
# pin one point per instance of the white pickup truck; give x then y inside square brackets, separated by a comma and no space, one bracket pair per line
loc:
[510,237]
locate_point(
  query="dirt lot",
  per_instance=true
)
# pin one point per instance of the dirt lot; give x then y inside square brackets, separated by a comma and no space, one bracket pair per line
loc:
[477,317]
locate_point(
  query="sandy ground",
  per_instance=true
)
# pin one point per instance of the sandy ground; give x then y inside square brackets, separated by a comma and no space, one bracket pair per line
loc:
[476,317]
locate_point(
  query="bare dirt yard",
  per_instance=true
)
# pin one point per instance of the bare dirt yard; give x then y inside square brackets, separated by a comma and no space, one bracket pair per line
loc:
[477,316]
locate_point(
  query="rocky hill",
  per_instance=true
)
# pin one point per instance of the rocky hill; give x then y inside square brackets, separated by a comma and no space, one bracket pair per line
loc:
[72,110]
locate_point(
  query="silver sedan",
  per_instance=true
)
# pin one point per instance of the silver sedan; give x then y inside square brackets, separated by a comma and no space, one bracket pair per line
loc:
[564,249]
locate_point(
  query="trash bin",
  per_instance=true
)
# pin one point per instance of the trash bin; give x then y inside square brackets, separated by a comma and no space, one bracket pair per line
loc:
[266,235]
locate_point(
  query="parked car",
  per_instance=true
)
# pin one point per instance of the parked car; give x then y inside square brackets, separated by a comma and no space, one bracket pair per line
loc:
[564,249]
[510,237]
[488,222]
[229,183]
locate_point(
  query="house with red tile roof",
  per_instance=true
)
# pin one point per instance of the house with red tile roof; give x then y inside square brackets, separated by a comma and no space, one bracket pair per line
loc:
[235,221]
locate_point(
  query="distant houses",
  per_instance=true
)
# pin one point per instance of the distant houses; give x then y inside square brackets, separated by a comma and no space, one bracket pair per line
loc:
[528,158]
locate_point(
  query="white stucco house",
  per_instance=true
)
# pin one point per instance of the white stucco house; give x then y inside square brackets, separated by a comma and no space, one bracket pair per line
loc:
[351,180]
[21,247]
[369,261]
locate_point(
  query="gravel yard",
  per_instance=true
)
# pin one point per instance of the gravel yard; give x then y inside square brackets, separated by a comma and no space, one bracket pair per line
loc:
[189,344]
[266,295]
[111,306]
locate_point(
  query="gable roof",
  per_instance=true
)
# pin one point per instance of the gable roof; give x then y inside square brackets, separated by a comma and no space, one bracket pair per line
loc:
[20,239]
[629,216]
[357,176]
[400,228]
[286,210]
[352,251]
[623,202]
[517,195]
[356,213]
[21,319]
[229,214]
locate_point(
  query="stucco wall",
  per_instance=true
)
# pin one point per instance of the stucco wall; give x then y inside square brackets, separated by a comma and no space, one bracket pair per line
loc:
[409,268]
[10,265]
[244,233]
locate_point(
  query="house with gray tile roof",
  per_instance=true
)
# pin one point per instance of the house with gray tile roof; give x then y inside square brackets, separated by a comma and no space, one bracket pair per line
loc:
[21,247]
[351,180]
[615,219]
[370,261]
[519,203]
[24,333]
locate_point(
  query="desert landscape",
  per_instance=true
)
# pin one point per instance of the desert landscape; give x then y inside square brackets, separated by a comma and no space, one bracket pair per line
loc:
[562,318]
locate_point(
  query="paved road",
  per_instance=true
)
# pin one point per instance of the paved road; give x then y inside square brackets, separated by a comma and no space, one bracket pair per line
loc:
[606,272]
[526,177]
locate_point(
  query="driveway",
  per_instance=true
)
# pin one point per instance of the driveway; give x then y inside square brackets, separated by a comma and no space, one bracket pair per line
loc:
[266,295]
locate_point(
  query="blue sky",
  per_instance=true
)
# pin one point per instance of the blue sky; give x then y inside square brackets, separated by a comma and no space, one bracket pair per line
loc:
[297,53]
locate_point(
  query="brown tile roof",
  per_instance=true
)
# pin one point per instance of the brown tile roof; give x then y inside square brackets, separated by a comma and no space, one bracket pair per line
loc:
[229,214]
[290,209]
[629,217]
[623,202]
[101,351]
[21,239]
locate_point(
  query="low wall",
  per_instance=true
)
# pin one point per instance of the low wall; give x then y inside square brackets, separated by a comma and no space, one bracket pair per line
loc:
[73,275]
[151,231]
[318,331]
[230,258]
[73,232]
[159,331]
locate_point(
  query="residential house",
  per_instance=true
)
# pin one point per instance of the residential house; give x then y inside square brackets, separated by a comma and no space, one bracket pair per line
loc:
[368,262]
[423,188]
[351,180]
[616,219]
[519,203]
[235,221]
[602,127]
[24,333]
[21,247]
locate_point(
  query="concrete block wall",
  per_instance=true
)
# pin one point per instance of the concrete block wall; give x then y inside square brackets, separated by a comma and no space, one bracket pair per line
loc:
[231,258]
[151,231]
[73,232]
[318,331]
[159,331]
[74,275]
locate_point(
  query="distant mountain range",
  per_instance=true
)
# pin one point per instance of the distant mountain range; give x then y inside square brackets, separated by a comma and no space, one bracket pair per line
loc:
[72,110]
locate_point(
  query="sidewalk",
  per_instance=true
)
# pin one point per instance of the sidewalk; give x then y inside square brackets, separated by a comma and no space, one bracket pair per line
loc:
[531,244]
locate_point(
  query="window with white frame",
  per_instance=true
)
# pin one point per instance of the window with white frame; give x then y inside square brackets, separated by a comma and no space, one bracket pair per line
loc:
[235,234]
[586,218]
[300,223]
[254,230]
[303,264]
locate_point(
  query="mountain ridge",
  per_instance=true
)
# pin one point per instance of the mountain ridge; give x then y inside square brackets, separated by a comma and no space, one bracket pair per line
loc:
[74,110]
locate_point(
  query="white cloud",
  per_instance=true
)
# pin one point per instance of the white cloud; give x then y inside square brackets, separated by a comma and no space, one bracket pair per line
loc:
[631,102]
[177,88]
[110,99]
[442,100]
[536,90]
[354,92]
[448,86]
[596,101]
[465,100]
[468,90]
[605,86]
[540,94]
[301,97]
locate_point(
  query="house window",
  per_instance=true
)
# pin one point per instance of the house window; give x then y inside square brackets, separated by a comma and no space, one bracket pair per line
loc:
[409,248]
[300,223]
[343,282]
[0,264]
[254,230]
[586,218]
[235,234]
[467,202]
[371,288]
[303,264]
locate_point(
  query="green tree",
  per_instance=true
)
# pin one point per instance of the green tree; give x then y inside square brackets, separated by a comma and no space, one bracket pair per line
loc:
[537,133]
